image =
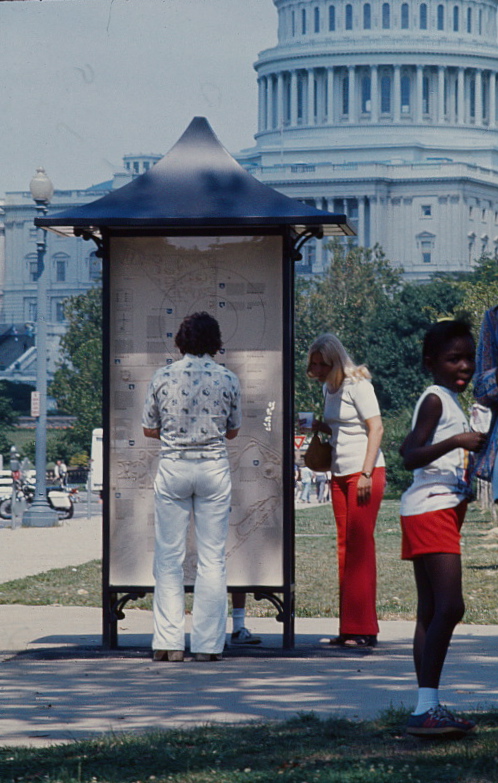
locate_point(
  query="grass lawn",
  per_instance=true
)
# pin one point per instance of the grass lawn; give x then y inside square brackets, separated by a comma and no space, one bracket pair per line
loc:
[302,750]
[316,572]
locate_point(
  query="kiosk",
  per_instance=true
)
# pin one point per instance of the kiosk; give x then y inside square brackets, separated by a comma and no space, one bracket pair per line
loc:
[198,232]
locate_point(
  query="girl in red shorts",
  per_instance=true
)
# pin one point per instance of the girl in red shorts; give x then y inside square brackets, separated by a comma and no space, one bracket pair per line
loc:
[432,513]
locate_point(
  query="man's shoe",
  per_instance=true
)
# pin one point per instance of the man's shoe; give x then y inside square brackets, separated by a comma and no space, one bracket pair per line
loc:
[439,722]
[168,655]
[244,636]
[205,657]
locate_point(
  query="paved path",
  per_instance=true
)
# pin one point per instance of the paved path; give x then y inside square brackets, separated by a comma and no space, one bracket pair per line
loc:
[57,684]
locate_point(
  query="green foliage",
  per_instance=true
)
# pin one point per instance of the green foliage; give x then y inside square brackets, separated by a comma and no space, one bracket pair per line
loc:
[77,384]
[17,396]
[394,337]
[396,427]
[358,283]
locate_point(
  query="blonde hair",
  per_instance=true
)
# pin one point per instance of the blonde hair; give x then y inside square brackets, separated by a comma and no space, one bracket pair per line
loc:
[334,353]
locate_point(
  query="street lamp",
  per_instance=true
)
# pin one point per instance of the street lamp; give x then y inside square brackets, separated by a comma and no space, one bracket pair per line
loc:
[40,514]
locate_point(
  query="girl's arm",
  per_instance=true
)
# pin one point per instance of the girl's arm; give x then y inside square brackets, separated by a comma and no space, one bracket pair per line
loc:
[375,430]
[415,449]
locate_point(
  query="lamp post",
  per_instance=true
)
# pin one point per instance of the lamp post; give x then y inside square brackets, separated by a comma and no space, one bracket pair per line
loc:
[40,514]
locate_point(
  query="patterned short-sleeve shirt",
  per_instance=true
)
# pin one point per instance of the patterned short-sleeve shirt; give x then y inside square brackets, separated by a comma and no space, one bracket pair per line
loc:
[193,402]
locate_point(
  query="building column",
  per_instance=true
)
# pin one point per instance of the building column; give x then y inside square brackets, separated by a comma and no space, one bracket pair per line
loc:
[310,96]
[280,100]
[361,221]
[397,94]
[440,96]
[374,93]
[293,99]
[478,88]
[260,104]
[420,93]
[330,95]
[352,114]
[461,96]
[492,99]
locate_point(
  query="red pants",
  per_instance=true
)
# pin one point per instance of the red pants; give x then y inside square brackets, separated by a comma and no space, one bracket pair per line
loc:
[356,552]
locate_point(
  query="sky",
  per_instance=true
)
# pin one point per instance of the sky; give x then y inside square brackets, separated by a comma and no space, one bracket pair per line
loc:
[85,82]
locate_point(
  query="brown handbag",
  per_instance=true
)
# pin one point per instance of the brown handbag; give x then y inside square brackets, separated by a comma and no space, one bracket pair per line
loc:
[318,455]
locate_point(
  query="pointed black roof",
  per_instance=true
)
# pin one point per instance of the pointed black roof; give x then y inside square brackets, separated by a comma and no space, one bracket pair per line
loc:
[197,183]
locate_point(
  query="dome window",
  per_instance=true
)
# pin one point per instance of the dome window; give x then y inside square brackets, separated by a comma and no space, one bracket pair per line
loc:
[423,16]
[349,17]
[440,17]
[367,16]
[405,16]
[456,19]
[386,16]
[316,18]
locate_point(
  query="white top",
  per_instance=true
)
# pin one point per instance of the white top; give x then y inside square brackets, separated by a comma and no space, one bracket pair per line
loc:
[444,482]
[345,411]
[193,402]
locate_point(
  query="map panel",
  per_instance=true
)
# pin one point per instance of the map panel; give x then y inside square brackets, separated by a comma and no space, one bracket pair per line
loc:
[155,283]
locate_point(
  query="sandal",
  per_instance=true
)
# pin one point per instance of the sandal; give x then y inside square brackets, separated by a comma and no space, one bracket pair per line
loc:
[360,641]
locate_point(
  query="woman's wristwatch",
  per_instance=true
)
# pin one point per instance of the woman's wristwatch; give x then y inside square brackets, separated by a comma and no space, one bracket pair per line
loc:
[366,473]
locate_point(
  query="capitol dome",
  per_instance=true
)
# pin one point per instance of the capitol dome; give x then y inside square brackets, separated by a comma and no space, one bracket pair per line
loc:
[386,111]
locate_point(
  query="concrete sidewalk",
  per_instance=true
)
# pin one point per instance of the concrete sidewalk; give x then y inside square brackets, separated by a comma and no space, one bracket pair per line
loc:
[58,685]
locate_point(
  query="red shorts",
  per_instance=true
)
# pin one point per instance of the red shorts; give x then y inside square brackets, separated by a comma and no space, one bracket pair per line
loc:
[434,531]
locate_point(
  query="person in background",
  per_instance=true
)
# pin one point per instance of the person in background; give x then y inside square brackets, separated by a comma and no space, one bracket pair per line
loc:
[432,513]
[60,472]
[306,481]
[192,406]
[351,419]
[486,393]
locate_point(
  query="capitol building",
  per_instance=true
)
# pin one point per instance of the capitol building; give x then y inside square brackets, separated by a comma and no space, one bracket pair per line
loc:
[386,111]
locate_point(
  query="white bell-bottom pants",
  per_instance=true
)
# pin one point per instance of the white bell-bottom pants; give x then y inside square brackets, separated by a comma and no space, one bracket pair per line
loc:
[186,487]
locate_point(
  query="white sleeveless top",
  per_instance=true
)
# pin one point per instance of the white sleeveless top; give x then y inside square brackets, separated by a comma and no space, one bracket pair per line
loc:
[444,482]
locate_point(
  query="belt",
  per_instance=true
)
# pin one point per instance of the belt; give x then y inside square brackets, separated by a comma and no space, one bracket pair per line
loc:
[193,455]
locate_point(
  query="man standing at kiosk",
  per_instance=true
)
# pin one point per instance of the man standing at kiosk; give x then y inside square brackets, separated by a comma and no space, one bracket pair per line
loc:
[192,405]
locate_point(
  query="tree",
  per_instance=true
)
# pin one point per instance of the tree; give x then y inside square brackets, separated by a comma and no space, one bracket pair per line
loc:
[394,335]
[358,282]
[77,384]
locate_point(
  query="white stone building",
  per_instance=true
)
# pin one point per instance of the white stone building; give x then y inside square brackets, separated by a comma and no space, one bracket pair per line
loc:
[386,111]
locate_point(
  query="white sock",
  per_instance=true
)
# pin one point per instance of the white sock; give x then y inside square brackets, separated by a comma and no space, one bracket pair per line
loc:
[427,699]
[238,619]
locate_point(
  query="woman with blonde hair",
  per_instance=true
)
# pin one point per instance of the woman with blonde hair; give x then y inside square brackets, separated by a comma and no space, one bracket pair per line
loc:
[351,419]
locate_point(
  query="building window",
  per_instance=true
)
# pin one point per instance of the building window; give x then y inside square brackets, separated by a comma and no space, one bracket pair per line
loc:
[146,165]
[480,21]
[300,99]
[426,246]
[472,98]
[483,215]
[456,18]
[366,103]
[345,95]
[94,267]
[385,95]
[425,95]
[469,20]
[59,312]
[386,16]
[293,24]
[440,17]
[60,271]
[33,270]
[471,213]
[405,94]
[426,257]
[349,17]
[303,21]
[332,17]
[367,16]
[316,17]
[423,16]
[32,311]
[405,16]
[426,210]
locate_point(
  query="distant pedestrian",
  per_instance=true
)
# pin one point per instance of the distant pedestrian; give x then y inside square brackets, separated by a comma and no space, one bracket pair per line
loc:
[306,480]
[60,472]
[486,393]
[432,513]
